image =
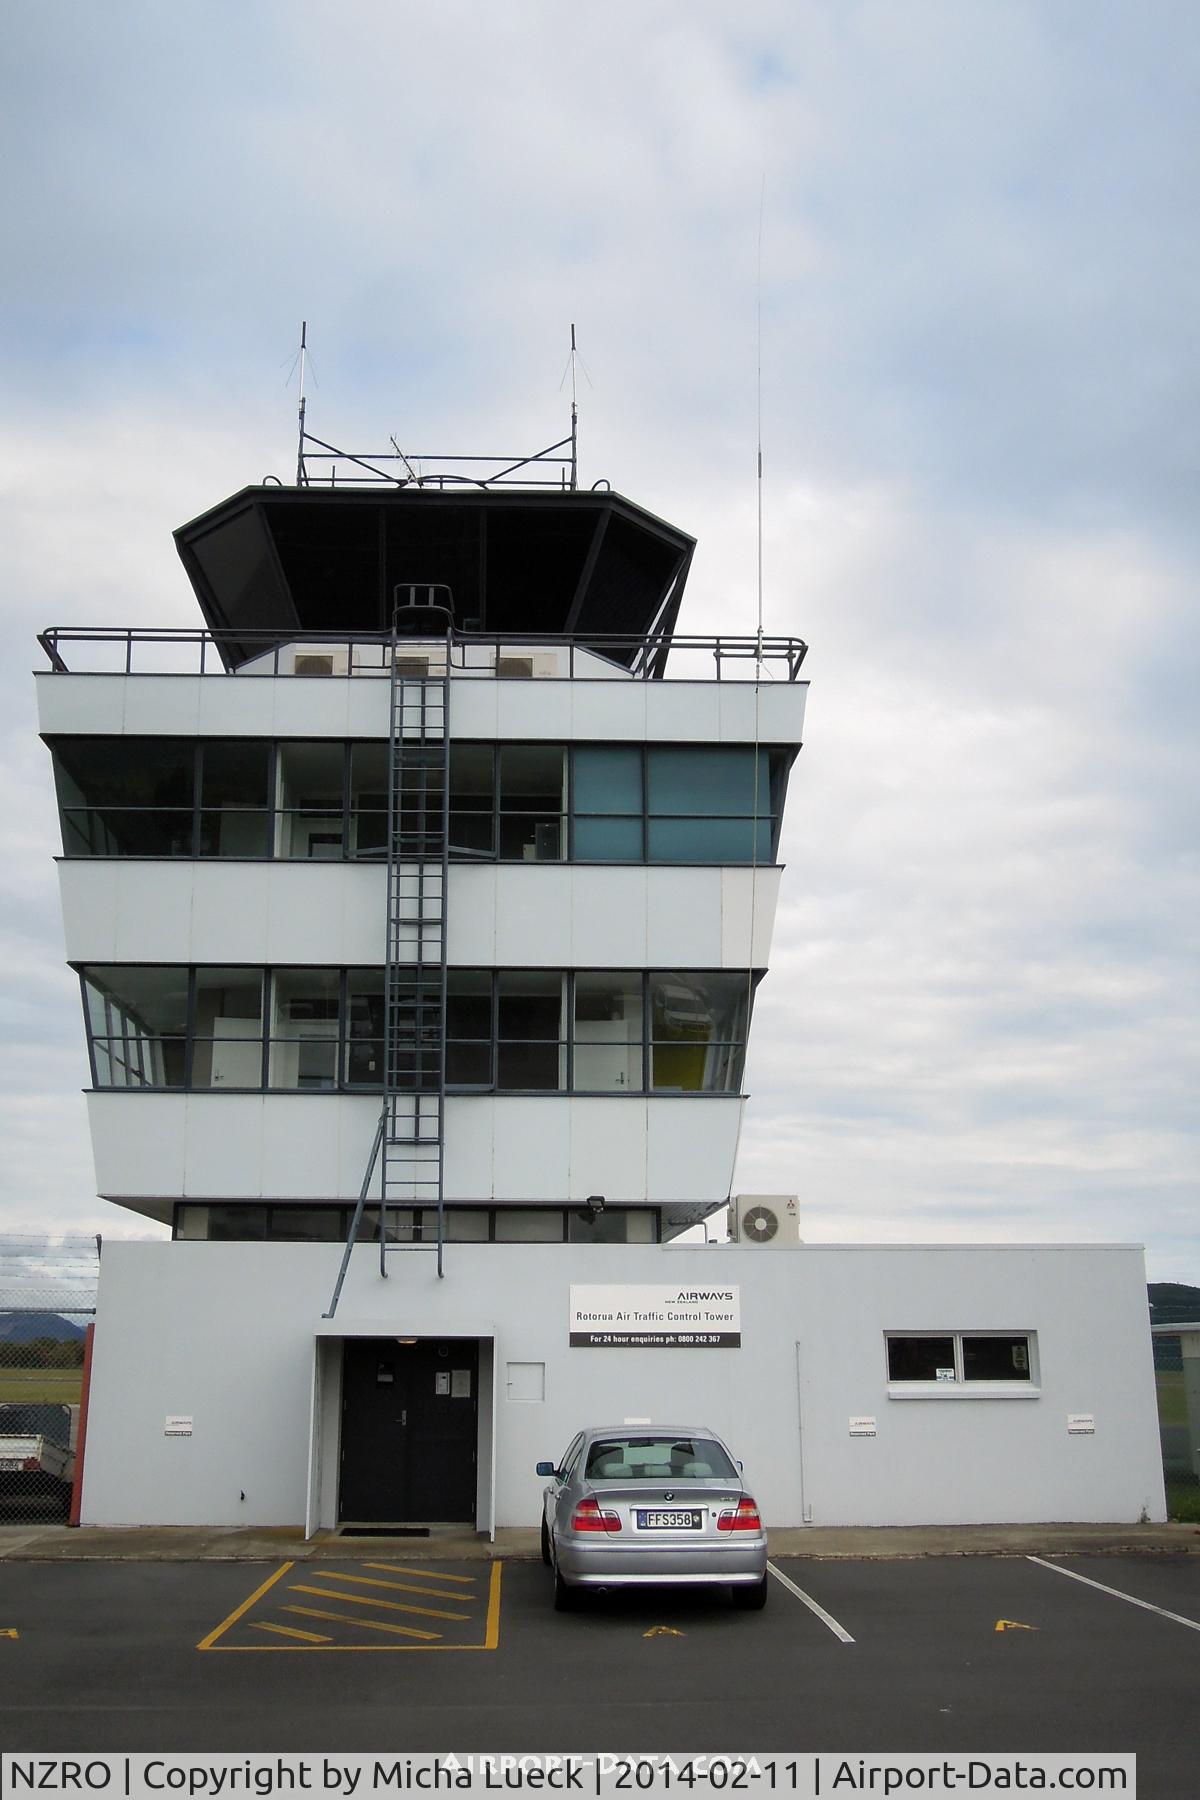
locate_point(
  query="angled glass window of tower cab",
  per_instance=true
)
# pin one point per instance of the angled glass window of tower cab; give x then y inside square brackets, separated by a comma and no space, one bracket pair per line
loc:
[327,800]
[521,1031]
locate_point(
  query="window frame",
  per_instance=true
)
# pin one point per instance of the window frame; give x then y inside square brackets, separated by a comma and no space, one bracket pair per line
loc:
[770,804]
[900,1388]
[277,1211]
[269,975]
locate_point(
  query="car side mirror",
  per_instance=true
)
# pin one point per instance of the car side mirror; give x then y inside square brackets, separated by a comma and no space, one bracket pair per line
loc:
[739,1468]
[546,1468]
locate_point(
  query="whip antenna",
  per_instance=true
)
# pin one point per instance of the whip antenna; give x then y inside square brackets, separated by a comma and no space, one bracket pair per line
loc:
[300,474]
[762,196]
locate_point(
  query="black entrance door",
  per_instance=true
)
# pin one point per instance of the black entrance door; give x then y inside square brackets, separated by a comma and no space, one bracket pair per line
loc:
[409,1426]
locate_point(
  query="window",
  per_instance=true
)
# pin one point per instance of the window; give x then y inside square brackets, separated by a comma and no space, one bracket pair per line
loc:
[328,800]
[658,1459]
[308,801]
[609,802]
[304,1028]
[531,1052]
[532,802]
[529,1225]
[615,1225]
[608,1033]
[364,1044]
[329,1223]
[368,800]
[163,796]
[599,1031]
[959,1360]
[227,1045]
[234,785]
[137,1025]
[708,805]
[472,800]
[469,1059]
[698,1032]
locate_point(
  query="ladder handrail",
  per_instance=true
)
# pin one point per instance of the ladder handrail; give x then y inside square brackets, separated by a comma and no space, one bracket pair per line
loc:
[352,1234]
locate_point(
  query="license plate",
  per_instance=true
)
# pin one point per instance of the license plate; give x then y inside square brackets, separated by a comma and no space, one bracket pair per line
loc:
[669,1521]
[10,1466]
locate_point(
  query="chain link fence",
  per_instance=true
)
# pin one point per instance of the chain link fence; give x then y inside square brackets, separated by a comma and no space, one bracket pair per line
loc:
[47,1301]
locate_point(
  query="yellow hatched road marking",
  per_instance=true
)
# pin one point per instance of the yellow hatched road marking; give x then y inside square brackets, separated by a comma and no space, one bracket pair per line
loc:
[438,1574]
[206,1643]
[399,1587]
[290,1631]
[296,1641]
[315,1612]
[492,1635]
[427,1612]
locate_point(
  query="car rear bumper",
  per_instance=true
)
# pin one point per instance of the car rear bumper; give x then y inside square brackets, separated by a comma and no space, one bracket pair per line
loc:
[612,1564]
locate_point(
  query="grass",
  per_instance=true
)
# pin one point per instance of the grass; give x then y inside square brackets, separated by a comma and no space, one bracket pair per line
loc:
[1183,1501]
[41,1384]
[1172,1401]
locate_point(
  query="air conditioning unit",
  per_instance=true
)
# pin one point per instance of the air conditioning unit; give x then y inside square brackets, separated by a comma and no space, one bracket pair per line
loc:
[321,662]
[420,665]
[526,668]
[765,1219]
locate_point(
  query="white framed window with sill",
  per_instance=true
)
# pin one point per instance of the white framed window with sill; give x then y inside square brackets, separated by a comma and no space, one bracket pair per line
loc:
[962,1365]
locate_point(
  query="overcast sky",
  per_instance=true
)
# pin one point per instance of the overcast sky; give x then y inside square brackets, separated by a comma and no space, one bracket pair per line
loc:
[979,343]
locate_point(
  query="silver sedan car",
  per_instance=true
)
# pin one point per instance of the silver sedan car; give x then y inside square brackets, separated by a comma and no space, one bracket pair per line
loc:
[651,1505]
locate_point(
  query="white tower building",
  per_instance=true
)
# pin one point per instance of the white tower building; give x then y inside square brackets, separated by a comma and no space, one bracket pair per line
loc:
[418,902]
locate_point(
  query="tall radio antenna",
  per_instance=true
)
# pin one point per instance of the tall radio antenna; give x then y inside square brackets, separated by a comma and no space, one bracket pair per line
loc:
[762,196]
[300,475]
[572,361]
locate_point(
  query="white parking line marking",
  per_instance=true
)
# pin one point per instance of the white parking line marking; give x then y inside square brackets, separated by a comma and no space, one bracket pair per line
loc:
[1192,1624]
[839,1631]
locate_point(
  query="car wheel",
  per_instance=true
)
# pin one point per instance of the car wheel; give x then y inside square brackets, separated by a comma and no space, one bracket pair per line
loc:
[564,1596]
[751,1599]
[545,1543]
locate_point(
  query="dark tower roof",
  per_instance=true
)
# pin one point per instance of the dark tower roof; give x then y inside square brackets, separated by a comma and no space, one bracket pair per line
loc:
[279,561]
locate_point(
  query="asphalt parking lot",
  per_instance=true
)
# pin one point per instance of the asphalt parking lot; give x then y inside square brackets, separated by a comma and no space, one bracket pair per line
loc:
[956,1653]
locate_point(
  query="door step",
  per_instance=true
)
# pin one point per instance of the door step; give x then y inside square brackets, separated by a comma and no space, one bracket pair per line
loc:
[383,1531]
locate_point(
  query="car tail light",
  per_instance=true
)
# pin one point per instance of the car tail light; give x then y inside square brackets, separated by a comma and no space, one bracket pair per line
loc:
[744,1519]
[30,1465]
[588,1517]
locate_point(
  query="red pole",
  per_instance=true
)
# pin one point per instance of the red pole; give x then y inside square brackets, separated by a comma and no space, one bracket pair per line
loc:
[81,1434]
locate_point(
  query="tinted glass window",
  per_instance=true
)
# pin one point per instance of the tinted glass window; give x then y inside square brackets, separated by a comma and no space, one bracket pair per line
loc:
[707,782]
[657,1459]
[996,1359]
[608,780]
[920,1358]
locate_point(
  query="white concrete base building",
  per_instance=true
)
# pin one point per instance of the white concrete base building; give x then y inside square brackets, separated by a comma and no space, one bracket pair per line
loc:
[230,1338]
[418,929]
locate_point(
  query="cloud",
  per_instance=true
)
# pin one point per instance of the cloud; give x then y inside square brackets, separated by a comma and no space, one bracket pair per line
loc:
[979,288]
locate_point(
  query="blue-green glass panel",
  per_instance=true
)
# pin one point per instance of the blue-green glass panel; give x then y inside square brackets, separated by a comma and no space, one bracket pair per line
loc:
[608,840]
[608,780]
[708,841]
[716,780]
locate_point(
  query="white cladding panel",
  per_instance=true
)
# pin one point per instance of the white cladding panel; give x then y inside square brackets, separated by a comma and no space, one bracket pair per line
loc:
[480,707]
[563,915]
[233,1329]
[518,1148]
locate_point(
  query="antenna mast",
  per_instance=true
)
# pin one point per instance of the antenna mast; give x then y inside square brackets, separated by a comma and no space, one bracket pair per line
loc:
[301,478]
[574,418]
[761,205]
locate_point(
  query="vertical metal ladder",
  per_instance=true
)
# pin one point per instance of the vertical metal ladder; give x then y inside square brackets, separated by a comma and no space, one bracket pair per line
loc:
[409,1143]
[414,1111]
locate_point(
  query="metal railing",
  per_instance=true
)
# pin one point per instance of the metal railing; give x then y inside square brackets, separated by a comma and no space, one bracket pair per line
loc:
[138,650]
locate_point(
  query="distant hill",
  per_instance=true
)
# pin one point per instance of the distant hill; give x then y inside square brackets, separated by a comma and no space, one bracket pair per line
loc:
[23,1327]
[1171,1300]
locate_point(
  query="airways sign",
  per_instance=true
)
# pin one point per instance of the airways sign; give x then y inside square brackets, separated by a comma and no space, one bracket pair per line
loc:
[647,1317]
